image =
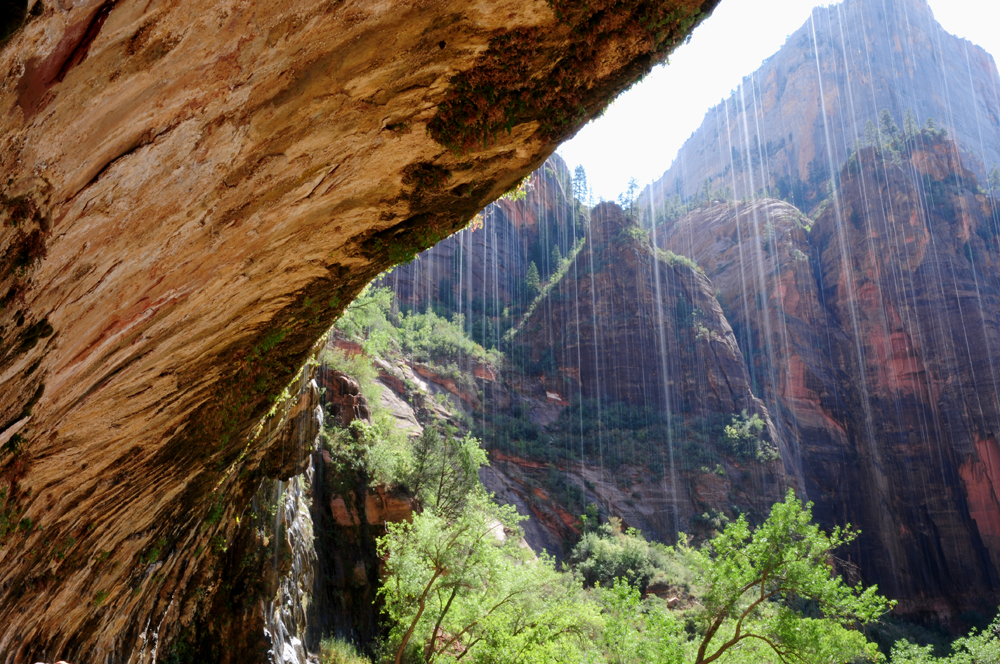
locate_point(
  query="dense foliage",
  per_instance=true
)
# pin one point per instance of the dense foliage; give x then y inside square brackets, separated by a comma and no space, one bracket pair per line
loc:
[460,586]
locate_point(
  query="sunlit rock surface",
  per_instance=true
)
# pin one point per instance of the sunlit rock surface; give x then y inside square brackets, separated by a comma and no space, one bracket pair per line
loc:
[859,57]
[192,192]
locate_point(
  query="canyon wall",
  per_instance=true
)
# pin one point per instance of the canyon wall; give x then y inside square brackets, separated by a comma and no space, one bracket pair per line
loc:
[873,337]
[787,128]
[866,340]
[192,192]
[629,326]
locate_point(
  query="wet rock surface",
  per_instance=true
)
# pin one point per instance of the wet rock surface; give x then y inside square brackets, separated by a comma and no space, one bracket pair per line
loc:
[873,339]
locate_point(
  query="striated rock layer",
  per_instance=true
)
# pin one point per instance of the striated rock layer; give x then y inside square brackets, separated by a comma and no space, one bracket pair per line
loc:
[625,326]
[874,339]
[192,192]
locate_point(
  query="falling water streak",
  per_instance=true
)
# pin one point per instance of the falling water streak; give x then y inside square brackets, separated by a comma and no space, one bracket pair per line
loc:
[760,276]
[579,353]
[665,372]
[279,491]
[855,129]
[846,267]
[597,367]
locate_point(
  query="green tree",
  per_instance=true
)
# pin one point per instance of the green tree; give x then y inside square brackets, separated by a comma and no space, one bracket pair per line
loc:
[532,280]
[367,319]
[871,134]
[458,579]
[910,126]
[580,184]
[933,130]
[756,581]
[977,648]
[627,199]
[557,258]
[433,561]
[607,553]
[743,438]
[887,126]
[623,641]
[993,179]
[445,471]
[638,632]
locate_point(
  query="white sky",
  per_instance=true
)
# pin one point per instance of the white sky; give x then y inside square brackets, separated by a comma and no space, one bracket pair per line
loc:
[641,132]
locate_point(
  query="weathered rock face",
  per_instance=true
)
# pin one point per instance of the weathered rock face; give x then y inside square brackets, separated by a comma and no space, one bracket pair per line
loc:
[482,269]
[757,256]
[625,327]
[873,341]
[611,322]
[909,271]
[859,57]
[343,399]
[192,192]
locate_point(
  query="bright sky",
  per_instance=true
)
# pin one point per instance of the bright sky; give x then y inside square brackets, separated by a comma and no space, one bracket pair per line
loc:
[640,133]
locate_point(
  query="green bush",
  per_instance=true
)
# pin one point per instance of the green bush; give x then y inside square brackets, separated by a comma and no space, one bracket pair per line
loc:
[340,651]
[607,554]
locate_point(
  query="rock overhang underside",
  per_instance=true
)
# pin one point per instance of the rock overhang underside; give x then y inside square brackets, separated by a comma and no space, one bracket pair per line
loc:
[192,192]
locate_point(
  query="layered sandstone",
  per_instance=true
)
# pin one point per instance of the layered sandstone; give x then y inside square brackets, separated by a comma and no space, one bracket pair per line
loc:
[873,338]
[192,193]
[627,325]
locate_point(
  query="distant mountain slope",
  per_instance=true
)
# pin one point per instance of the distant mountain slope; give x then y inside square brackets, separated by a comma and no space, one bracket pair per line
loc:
[859,56]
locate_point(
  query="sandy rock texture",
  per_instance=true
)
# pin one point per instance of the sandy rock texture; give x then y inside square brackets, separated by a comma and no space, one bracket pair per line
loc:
[192,191]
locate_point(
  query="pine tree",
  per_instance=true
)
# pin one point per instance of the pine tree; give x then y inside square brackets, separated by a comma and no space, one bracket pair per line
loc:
[890,132]
[580,184]
[533,280]
[556,257]
[871,134]
[932,129]
[910,128]
[627,199]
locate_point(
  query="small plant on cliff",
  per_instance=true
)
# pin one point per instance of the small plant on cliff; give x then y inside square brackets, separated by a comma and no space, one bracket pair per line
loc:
[743,437]
[532,280]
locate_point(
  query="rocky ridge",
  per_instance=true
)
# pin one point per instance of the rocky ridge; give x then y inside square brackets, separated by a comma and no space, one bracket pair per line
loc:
[775,137]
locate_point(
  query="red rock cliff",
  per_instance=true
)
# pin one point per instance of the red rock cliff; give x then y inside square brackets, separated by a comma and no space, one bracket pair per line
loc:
[873,339]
